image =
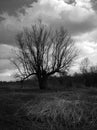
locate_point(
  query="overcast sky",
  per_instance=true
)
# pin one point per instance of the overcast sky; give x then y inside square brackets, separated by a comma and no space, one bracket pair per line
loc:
[79,17]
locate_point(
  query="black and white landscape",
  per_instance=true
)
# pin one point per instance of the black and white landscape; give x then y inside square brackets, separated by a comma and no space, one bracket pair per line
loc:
[48,65]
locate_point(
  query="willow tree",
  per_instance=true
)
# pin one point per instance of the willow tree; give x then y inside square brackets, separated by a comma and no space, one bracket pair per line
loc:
[44,52]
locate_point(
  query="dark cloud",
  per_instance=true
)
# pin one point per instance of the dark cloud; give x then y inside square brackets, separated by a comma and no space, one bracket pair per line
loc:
[81,24]
[80,28]
[76,26]
[7,37]
[70,1]
[1,18]
[94,4]
[11,6]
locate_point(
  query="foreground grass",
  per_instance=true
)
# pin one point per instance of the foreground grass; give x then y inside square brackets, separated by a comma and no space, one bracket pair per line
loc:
[42,110]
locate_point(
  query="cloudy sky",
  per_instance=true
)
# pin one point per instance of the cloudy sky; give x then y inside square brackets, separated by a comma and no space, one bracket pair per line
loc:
[79,17]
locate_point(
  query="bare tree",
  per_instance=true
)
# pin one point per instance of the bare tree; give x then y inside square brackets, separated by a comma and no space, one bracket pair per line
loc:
[84,66]
[93,69]
[44,52]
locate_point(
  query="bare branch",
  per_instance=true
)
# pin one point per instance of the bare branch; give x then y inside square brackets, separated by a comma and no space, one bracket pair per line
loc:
[44,51]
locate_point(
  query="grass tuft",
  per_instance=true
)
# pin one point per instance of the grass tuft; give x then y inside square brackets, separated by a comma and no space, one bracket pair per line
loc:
[57,113]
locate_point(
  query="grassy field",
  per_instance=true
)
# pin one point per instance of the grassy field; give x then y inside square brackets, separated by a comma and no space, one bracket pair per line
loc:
[26,109]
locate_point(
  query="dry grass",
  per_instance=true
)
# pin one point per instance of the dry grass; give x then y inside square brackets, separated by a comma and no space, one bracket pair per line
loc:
[60,111]
[72,109]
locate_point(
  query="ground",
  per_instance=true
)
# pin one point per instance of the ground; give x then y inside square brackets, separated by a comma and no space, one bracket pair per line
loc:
[30,109]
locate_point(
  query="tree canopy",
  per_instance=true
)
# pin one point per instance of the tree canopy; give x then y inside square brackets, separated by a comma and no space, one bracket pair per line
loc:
[43,52]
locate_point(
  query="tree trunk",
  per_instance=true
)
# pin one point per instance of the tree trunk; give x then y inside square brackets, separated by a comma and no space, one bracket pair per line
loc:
[22,83]
[42,82]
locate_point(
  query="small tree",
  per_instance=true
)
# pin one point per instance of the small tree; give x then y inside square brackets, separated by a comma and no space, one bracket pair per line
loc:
[84,66]
[93,69]
[44,52]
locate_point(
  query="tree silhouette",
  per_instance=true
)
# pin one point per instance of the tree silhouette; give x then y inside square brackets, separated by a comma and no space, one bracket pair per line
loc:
[44,52]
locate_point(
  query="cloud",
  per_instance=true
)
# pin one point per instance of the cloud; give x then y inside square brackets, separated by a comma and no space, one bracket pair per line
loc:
[77,16]
[13,5]
[77,19]
[7,76]
[6,52]
[4,65]
[88,36]
[9,27]
[94,5]
[70,1]
[87,49]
